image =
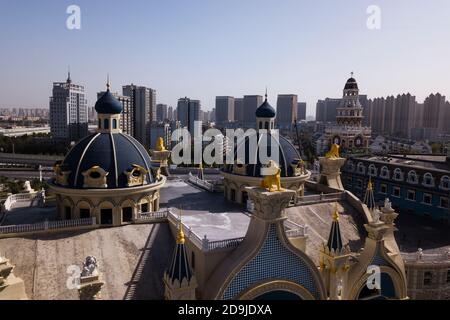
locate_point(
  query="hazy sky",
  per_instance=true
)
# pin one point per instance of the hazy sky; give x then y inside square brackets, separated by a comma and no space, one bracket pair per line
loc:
[204,48]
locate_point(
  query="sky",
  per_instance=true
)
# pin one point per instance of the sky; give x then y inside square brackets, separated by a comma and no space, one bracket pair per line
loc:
[205,48]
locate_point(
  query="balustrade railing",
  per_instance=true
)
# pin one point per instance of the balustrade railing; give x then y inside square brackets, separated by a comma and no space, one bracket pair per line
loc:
[47,225]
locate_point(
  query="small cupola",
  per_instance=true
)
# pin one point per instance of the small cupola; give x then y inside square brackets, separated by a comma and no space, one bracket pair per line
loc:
[108,110]
[265,116]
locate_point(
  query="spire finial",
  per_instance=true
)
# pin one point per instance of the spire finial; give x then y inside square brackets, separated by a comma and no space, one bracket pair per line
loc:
[68,75]
[180,236]
[370,185]
[352,73]
[108,84]
[336,213]
[266,93]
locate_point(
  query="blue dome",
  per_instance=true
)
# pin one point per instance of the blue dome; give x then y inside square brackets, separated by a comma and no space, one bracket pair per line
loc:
[108,104]
[115,153]
[288,155]
[351,84]
[265,111]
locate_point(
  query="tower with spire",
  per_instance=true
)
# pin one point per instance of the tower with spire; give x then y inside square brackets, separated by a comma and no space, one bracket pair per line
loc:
[179,279]
[265,116]
[334,260]
[108,110]
[349,132]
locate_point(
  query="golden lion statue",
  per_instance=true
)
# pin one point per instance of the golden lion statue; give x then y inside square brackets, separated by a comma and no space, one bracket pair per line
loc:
[160,144]
[272,182]
[334,152]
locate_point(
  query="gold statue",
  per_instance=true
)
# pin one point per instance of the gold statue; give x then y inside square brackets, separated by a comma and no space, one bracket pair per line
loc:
[334,152]
[272,182]
[160,144]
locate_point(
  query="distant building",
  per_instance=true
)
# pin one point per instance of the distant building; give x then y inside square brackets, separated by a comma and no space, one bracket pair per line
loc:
[224,110]
[68,111]
[382,145]
[239,110]
[286,110]
[301,111]
[251,103]
[326,109]
[405,105]
[170,114]
[143,101]
[161,112]
[188,111]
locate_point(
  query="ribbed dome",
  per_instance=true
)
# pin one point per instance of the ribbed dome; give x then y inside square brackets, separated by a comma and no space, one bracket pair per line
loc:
[288,155]
[108,104]
[115,153]
[351,84]
[265,110]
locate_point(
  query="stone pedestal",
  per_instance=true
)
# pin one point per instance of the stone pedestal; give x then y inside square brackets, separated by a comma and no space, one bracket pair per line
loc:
[162,157]
[330,174]
[90,288]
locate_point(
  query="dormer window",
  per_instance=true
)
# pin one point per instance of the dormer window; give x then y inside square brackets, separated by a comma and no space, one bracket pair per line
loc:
[361,168]
[398,175]
[137,176]
[384,173]
[412,177]
[350,165]
[95,177]
[428,180]
[372,170]
[445,183]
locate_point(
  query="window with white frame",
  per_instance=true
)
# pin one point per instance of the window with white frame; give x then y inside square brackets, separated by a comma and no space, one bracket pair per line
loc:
[445,183]
[444,202]
[384,173]
[411,196]
[372,170]
[398,174]
[396,192]
[412,177]
[361,168]
[428,180]
[427,198]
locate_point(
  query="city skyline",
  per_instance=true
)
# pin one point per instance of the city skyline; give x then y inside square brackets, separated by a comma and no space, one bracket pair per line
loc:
[405,55]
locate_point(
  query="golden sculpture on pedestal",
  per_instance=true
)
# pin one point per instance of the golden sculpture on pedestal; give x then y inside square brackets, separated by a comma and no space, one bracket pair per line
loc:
[272,180]
[160,145]
[334,152]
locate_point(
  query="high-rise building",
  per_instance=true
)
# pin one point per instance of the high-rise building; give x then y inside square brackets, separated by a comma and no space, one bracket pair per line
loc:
[326,109]
[170,113]
[251,103]
[161,112]
[68,111]
[239,110]
[143,101]
[224,110]
[378,115]
[286,110]
[434,112]
[188,111]
[127,115]
[301,111]
[405,105]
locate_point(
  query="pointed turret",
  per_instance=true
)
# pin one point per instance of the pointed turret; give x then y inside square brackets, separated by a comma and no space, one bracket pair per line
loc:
[335,238]
[369,199]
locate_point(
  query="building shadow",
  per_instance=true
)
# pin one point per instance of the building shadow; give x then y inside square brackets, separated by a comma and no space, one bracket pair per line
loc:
[147,280]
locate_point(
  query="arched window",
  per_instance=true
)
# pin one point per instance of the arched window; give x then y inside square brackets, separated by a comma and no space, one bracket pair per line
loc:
[428,180]
[350,165]
[260,124]
[398,174]
[266,125]
[412,177]
[361,168]
[106,124]
[445,183]
[114,123]
[372,170]
[99,123]
[385,173]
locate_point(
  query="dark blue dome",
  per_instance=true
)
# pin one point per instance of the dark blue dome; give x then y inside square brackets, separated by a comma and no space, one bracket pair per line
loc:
[108,104]
[265,111]
[115,153]
[288,155]
[351,84]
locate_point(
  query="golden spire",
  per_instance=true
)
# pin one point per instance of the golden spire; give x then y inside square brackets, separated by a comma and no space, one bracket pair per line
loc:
[335,213]
[370,185]
[180,236]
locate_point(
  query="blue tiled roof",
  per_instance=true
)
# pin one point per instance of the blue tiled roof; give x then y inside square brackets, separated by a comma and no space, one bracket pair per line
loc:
[265,111]
[108,104]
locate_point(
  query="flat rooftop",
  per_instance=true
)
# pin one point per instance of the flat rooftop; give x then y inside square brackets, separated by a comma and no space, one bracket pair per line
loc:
[434,162]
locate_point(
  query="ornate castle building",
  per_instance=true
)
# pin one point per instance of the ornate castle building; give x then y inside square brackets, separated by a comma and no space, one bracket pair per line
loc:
[349,133]
[245,173]
[108,175]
